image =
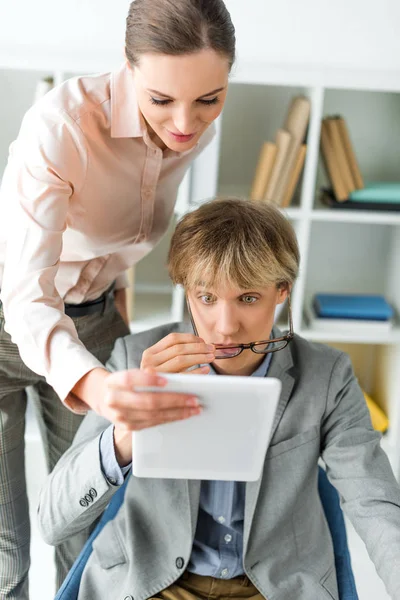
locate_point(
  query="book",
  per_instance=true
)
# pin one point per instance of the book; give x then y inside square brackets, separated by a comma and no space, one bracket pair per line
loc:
[263,170]
[352,306]
[294,178]
[351,157]
[296,124]
[379,191]
[336,325]
[333,129]
[327,198]
[282,139]
[332,165]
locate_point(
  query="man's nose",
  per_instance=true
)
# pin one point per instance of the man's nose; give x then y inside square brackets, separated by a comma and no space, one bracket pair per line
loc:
[228,323]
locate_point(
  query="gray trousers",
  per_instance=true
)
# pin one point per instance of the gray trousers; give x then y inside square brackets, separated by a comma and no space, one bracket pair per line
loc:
[98,332]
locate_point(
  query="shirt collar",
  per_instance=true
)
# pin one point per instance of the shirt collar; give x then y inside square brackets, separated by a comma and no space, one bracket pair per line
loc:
[126,119]
[261,370]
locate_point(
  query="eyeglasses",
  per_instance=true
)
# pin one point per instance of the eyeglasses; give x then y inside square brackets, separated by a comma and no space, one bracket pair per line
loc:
[261,347]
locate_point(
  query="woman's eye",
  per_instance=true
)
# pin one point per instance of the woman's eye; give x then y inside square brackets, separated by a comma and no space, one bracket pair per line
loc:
[209,102]
[159,102]
[249,299]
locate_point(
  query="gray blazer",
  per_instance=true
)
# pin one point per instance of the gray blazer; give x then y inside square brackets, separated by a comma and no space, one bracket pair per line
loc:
[287,546]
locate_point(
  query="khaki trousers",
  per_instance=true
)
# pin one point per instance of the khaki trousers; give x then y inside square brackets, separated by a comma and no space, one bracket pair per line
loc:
[58,426]
[194,587]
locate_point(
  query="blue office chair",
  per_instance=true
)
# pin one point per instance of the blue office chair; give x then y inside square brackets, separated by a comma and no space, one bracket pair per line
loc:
[334,516]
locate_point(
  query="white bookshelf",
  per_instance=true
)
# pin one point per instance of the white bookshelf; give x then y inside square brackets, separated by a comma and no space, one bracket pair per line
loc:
[341,250]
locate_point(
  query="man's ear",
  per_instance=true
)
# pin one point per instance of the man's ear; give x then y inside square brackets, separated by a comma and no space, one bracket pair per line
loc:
[284,290]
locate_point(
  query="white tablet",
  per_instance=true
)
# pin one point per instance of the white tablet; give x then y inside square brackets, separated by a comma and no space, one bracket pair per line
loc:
[227,441]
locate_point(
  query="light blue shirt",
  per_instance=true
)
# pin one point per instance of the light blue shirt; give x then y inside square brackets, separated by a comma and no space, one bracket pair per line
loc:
[218,544]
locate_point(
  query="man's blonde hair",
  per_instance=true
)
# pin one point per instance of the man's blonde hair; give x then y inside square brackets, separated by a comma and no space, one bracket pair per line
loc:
[235,242]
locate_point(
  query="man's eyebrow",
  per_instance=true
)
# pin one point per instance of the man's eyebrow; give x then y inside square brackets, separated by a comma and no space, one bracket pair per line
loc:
[157,93]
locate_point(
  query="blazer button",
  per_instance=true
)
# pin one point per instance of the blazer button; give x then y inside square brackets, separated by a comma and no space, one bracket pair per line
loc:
[179,562]
[128,598]
[93,492]
[83,502]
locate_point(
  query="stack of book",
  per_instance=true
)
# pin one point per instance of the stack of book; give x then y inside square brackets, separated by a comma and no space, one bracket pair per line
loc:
[341,313]
[281,162]
[374,196]
[348,189]
[339,158]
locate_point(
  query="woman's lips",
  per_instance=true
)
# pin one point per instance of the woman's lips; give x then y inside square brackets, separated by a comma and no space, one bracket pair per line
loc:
[178,137]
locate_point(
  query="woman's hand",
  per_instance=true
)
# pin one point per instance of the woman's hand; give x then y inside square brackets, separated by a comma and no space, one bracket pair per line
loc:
[118,397]
[178,352]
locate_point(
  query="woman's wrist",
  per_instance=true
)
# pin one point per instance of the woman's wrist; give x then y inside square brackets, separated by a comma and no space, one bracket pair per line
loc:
[90,388]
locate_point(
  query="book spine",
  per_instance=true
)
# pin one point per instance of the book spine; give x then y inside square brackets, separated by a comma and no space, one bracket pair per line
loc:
[301,155]
[296,124]
[340,153]
[263,171]
[351,157]
[283,139]
[331,164]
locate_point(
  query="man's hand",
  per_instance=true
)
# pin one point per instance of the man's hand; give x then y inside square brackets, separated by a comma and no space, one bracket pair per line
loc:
[178,352]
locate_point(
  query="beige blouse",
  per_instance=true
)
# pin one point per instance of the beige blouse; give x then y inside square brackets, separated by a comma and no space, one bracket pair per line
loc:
[85,195]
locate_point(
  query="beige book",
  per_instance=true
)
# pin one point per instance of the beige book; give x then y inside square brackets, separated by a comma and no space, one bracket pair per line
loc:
[298,166]
[351,157]
[340,153]
[282,139]
[331,165]
[296,124]
[263,171]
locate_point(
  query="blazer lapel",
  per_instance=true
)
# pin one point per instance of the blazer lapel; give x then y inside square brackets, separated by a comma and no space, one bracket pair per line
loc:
[193,495]
[281,364]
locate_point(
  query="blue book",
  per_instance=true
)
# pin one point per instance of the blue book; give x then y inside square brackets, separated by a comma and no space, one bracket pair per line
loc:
[352,306]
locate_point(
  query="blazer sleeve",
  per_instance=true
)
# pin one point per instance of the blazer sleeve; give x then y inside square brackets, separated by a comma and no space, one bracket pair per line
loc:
[76,493]
[360,470]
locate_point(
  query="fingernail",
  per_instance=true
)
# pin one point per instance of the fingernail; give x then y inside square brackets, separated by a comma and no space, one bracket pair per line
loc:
[193,401]
[161,381]
[210,356]
[210,347]
[195,411]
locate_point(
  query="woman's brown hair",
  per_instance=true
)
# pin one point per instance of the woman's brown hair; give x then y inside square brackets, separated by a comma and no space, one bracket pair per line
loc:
[178,27]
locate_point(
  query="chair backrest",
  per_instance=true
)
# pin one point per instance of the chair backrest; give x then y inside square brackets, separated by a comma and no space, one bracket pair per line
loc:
[70,587]
[334,516]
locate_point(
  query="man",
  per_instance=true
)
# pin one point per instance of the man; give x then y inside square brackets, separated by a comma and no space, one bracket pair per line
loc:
[177,539]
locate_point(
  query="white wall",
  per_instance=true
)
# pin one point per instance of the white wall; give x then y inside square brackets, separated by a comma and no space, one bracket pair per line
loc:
[351,33]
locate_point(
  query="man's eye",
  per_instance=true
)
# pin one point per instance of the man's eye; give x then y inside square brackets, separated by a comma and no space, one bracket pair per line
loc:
[249,299]
[159,102]
[206,299]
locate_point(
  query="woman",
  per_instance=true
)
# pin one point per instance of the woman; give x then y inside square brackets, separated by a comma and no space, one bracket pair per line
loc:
[90,187]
